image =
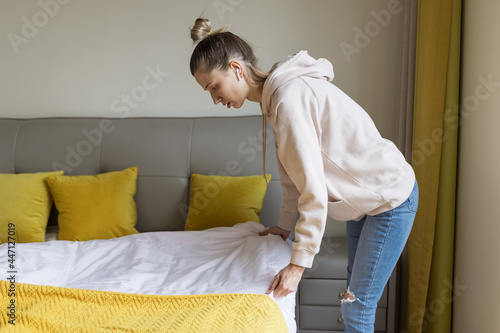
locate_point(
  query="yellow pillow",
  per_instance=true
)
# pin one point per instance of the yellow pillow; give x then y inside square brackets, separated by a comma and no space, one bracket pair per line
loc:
[25,204]
[95,207]
[223,201]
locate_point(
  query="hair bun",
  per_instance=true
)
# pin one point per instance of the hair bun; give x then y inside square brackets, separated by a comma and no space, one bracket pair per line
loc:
[201,29]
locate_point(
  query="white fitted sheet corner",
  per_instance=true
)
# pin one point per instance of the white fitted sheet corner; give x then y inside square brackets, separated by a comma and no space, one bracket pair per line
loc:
[219,260]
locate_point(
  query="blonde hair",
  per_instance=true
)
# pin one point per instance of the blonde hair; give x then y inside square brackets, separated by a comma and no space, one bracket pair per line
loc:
[216,49]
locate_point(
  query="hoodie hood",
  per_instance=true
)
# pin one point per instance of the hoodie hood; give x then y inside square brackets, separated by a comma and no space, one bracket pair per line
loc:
[297,65]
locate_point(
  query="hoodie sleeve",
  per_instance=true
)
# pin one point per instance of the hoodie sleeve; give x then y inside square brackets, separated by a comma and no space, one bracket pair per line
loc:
[289,213]
[298,149]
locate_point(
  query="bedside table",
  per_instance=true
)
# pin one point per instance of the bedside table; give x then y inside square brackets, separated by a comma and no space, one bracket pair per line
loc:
[323,286]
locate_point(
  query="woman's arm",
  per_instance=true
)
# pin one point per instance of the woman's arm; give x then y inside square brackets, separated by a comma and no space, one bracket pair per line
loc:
[297,135]
[289,213]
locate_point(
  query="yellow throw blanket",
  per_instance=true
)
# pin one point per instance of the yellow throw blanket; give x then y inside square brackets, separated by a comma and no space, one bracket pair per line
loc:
[52,309]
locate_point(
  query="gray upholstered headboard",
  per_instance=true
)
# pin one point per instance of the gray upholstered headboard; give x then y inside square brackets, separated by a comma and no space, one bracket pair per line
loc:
[165,150]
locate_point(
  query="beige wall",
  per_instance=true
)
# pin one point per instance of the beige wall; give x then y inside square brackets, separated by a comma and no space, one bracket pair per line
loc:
[477,270]
[83,58]
[80,61]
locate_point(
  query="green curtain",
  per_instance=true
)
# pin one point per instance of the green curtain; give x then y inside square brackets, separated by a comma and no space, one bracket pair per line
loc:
[434,158]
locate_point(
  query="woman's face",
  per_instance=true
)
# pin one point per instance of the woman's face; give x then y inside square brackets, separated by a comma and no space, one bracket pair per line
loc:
[224,86]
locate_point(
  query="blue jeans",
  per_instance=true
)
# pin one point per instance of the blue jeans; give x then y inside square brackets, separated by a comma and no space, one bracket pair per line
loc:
[374,245]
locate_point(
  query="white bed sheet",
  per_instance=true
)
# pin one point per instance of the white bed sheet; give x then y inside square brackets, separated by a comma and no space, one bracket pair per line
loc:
[218,260]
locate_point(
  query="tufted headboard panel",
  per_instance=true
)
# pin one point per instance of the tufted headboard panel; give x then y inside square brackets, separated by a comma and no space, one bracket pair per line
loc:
[165,150]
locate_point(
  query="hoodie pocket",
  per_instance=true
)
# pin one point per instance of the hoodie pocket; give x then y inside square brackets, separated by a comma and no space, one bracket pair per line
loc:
[342,211]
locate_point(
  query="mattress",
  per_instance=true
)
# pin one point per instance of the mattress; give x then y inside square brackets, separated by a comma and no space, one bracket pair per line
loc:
[219,260]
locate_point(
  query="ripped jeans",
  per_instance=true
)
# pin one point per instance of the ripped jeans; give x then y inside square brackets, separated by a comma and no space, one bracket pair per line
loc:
[374,245]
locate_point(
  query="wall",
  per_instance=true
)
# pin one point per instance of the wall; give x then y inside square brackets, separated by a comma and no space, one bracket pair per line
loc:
[129,58]
[477,271]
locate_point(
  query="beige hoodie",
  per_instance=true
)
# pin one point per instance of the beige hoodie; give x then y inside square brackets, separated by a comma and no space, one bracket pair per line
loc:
[331,158]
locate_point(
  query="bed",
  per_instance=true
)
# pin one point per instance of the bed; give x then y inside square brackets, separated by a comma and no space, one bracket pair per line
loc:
[227,261]
[160,159]
[156,276]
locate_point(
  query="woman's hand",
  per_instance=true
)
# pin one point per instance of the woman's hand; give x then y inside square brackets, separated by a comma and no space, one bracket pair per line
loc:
[276,231]
[286,281]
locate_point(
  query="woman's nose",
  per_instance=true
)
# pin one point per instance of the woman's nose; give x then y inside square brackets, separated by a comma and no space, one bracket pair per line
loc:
[216,99]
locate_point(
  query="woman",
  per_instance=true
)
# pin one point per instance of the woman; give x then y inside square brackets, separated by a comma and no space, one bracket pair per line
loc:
[332,161]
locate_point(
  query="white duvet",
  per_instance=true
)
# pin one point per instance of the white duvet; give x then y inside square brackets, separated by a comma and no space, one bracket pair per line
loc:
[219,260]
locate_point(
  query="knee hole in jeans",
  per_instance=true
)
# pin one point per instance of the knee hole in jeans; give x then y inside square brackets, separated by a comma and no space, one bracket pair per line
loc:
[349,297]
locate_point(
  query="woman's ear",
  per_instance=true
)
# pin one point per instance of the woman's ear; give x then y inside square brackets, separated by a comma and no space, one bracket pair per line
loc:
[237,68]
